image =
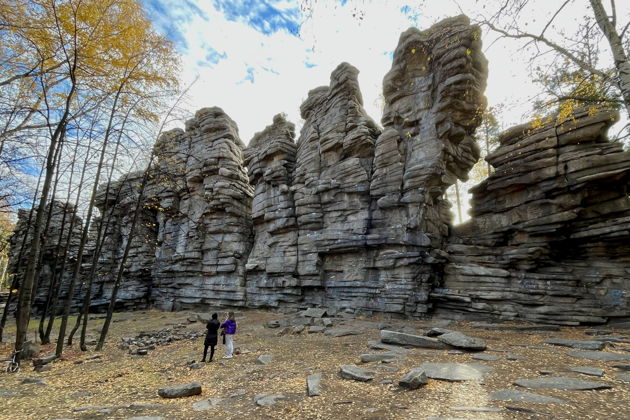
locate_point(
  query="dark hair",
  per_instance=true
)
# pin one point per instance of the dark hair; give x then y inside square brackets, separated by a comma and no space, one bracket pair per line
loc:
[215,316]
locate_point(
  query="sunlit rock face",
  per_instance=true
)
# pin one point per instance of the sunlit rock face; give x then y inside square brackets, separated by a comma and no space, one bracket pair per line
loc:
[549,239]
[272,263]
[203,201]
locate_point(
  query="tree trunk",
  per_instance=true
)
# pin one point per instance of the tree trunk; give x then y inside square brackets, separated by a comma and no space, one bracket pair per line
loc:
[616,46]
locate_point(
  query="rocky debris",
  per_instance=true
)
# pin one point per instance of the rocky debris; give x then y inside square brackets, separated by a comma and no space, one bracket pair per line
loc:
[459,340]
[341,332]
[379,357]
[315,313]
[264,359]
[356,373]
[402,339]
[205,405]
[561,382]
[518,328]
[36,381]
[265,400]
[522,396]
[514,357]
[585,370]
[599,355]
[377,345]
[8,393]
[148,340]
[552,220]
[455,372]
[313,329]
[313,384]
[414,379]
[44,360]
[576,344]
[42,368]
[179,391]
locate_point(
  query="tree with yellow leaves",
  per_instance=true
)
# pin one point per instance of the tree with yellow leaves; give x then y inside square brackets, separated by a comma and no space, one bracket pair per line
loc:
[72,57]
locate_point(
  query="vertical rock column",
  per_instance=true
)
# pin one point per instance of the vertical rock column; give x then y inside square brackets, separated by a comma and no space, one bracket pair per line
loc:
[331,192]
[433,103]
[204,201]
[272,263]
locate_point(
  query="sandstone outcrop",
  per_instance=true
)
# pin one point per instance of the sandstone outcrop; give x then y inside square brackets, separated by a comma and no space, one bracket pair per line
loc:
[549,239]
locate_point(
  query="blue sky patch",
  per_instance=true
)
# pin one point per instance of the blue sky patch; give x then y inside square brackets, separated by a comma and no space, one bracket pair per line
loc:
[265,16]
[309,65]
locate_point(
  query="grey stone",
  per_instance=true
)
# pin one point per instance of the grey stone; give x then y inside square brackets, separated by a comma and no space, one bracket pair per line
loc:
[9,393]
[477,409]
[43,368]
[341,332]
[36,381]
[44,360]
[205,405]
[514,357]
[313,384]
[179,391]
[413,379]
[455,372]
[622,367]
[584,345]
[356,373]
[523,396]
[599,355]
[561,382]
[591,371]
[265,400]
[264,359]
[377,345]
[394,337]
[623,376]
[436,332]
[315,312]
[459,340]
[313,329]
[379,357]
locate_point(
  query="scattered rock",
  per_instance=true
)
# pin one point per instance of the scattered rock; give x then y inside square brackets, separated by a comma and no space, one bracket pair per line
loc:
[477,409]
[192,319]
[8,393]
[43,368]
[44,360]
[585,370]
[264,359]
[584,345]
[36,381]
[622,367]
[273,324]
[313,384]
[315,313]
[561,382]
[298,329]
[545,372]
[316,329]
[179,391]
[523,396]
[599,355]
[436,332]
[377,345]
[238,393]
[403,339]
[340,332]
[623,376]
[379,357]
[356,373]
[514,357]
[265,400]
[459,340]
[205,405]
[327,322]
[456,371]
[413,379]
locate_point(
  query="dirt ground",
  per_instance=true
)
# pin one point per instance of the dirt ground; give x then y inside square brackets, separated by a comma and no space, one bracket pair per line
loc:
[104,388]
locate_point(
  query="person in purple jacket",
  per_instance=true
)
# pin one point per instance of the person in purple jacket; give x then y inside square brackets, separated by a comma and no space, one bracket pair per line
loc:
[229,329]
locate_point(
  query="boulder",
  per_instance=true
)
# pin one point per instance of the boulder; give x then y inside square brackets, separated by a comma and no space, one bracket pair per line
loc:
[179,391]
[356,373]
[394,337]
[413,379]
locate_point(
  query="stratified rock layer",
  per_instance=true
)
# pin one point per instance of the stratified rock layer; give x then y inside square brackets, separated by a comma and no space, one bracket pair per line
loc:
[549,239]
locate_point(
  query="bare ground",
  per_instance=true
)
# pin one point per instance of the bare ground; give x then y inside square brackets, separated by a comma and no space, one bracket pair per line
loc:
[116,380]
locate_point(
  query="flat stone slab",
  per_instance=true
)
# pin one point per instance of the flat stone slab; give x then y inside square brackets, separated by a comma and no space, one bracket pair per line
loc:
[377,345]
[36,381]
[478,409]
[264,359]
[403,339]
[455,372]
[341,332]
[414,379]
[265,400]
[180,391]
[576,344]
[624,377]
[561,382]
[379,357]
[599,355]
[622,367]
[523,396]
[313,387]
[356,373]
[313,329]
[585,370]
[462,341]
[205,405]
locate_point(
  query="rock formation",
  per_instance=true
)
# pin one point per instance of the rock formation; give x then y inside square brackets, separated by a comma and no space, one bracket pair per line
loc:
[353,217]
[549,239]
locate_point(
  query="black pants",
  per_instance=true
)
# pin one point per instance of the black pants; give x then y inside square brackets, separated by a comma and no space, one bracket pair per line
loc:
[205,351]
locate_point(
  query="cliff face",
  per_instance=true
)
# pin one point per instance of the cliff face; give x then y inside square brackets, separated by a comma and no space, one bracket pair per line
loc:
[549,236]
[352,216]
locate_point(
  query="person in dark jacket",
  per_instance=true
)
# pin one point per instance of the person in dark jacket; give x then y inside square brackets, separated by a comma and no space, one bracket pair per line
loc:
[211,337]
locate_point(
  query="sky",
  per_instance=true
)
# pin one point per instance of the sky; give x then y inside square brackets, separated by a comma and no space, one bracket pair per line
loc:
[257,58]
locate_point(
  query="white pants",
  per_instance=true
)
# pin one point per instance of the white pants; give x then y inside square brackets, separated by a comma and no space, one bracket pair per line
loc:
[229,344]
